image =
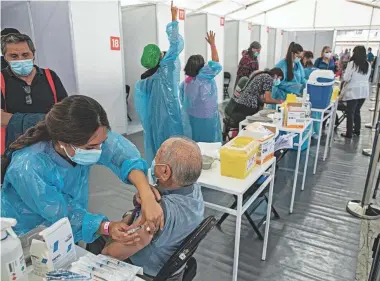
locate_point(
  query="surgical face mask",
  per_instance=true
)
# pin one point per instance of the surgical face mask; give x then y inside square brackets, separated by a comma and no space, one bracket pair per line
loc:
[276,82]
[84,157]
[327,55]
[256,54]
[154,178]
[297,60]
[22,67]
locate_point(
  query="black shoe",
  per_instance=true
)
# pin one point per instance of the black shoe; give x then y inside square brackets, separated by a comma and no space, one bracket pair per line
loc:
[346,136]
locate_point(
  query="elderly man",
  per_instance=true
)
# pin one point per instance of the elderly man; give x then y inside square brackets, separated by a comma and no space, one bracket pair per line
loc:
[177,167]
[25,88]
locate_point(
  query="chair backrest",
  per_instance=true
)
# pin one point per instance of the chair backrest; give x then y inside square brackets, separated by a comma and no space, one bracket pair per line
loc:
[186,249]
[227,75]
[127,89]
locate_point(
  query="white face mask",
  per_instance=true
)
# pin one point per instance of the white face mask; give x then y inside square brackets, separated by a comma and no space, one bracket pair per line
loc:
[327,55]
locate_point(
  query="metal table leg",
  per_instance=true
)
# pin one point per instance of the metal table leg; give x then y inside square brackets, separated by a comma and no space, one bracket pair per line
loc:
[307,160]
[319,142]
[329,132]
[296,172]
[269,212]
[237,237]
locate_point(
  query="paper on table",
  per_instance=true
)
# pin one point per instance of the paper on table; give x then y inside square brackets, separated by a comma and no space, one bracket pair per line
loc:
[210,149]
[284,142]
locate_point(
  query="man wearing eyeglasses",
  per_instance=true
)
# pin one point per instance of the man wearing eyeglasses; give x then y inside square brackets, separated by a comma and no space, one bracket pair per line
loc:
[25,88]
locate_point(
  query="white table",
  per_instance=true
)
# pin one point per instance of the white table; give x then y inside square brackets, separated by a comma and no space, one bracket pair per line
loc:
[327,113]
[212,179]
[301,141]
[80,253]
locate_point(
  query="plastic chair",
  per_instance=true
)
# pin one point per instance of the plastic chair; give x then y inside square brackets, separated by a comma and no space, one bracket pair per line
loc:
[230,130]
[226,85]
[183,257]
[127,90]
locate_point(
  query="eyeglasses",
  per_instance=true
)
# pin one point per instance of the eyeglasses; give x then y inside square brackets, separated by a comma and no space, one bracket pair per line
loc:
[28,96]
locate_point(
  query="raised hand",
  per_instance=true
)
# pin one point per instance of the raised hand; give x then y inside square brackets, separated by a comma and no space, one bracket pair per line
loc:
[210,37]
[174,11]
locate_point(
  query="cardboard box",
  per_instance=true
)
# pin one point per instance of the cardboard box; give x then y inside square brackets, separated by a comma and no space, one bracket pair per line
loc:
[294,116]
[265,142]
[55,251]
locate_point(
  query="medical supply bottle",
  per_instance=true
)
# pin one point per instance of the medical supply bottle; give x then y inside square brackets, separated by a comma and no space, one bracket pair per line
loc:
[13,266]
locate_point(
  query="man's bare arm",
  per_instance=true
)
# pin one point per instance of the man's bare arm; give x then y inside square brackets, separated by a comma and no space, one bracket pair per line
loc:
[121,251]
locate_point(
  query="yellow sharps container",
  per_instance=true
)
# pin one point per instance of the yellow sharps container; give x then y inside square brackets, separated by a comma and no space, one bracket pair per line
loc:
[238,157]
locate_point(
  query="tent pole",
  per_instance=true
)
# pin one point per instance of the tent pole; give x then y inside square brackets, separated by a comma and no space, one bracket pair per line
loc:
[370,26]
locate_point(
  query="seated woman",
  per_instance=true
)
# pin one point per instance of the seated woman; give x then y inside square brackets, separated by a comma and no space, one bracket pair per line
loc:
[156,96]
[294,75]
[248,99]
[199,95]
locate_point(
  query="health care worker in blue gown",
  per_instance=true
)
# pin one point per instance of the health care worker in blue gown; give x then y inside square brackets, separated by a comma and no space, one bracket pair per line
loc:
[294,76]
[199,95]
[157,94]
[47,170]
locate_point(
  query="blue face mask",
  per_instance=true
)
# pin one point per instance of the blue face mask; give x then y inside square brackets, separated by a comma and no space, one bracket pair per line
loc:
[276,82]
[85,157]
[22,67]
[154,178]
[256,54]
[297,60]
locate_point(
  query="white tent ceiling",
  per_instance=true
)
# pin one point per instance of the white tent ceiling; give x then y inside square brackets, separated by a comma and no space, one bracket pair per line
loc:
[286,14]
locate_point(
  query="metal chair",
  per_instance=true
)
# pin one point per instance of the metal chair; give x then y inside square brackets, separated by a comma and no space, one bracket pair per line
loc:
[127,90]
[226,85]
[183,257]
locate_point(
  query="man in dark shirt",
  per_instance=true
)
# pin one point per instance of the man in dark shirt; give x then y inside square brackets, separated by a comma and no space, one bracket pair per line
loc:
[27,88]
[4,32]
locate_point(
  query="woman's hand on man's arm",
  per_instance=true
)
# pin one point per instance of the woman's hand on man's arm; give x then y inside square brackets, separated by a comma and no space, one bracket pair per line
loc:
[152,213]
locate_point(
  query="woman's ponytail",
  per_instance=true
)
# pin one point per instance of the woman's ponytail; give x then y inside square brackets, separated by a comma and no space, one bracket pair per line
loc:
[33,135]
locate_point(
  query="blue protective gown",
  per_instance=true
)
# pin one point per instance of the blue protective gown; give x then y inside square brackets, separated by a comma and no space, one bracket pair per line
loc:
[199,98]
[41,187]
[294,86]
[157,98]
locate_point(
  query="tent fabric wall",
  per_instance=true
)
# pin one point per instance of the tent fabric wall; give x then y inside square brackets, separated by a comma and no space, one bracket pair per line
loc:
[231,51]
[16,14]
[134,43]
[196,27]
[271,48]
[99,69]
[314,41]
[214,23]
[237,39]
[279,47]
[54,48]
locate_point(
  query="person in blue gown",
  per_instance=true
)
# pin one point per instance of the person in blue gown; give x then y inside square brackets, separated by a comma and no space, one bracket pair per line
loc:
[294,75]
[199,95]
[45,172]
[157,94]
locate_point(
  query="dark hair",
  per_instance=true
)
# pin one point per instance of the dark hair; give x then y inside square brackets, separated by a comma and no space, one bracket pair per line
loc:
[194,65]
[276,71]
[370,49]
[359,58]
[73,120]
[15,38]
[293,49]
[9,30]
[151,71]
[308,54]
